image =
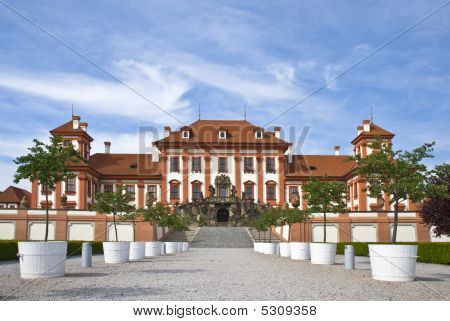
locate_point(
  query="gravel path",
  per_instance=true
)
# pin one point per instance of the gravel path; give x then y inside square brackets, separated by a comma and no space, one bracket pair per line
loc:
[222,274]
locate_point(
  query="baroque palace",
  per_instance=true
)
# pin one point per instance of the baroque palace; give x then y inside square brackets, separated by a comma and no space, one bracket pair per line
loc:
[219,170]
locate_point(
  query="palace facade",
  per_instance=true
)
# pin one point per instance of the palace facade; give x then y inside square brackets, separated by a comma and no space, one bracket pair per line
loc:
[227,166]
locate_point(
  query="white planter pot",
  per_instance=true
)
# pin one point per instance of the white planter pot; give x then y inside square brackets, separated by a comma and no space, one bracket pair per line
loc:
[392,262]
[153,249]
[299,251]
[179,246]
[285,249]
[185,246]
[137,251]
[323,253]
[163,248]
[278,249]
[116,252]
[42,259]
[171,247]
[269,248]
[256,246]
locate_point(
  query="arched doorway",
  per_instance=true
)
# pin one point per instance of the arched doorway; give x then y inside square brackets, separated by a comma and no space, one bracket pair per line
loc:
[222,215]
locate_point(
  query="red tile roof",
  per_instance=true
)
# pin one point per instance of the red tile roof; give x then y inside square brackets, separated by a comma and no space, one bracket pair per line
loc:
[318,166]
[67,129]
[238,132]
[125,164]
[375,130]
[14,195]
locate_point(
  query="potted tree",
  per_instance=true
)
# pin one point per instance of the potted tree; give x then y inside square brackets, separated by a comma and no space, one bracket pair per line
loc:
[435,210]
[155,214]
[171,222]
[46,164]
[137,249]
[259,226]
[270,219]
[297,250]
[181,227]
[401,175]
[115,203]
[324,196]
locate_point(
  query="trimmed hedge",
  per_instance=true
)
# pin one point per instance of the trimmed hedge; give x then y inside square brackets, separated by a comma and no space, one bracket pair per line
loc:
[9,249]
[438,252]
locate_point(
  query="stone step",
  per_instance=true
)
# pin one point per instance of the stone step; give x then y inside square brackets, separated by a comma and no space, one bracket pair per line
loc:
[264,236]
[222,237]
[186,236]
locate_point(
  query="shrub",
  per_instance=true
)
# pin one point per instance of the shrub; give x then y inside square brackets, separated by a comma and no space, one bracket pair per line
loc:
[438,252]
[9,249]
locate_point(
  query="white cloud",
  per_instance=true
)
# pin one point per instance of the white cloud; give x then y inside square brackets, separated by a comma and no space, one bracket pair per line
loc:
[95,95]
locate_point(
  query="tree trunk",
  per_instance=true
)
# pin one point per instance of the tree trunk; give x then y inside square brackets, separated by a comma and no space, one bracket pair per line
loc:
[394,232]
[270,235]
[324,227]
[289,234]
[115,227]
[134,231]
[259,236]
[46,213]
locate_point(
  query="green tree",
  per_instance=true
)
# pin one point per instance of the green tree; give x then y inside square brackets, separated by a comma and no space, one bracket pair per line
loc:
[270,218]
[325,196]
[291,216]
[399,174]
[258,224]
[115,203]
[46,164]
[155,213]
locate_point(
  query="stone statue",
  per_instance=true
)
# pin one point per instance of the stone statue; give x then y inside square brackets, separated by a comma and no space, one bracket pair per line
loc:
[233,191]
[150,200]
[295,199]
[212,191]
[243,196]
[24,202]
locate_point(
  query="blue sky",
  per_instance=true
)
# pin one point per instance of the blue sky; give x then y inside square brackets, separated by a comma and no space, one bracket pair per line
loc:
[223,55]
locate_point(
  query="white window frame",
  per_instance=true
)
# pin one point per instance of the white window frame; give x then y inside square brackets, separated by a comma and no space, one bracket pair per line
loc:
[222,134]
[259,135]
[185,134]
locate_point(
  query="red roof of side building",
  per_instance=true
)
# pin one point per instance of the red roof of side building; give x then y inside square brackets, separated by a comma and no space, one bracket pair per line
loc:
[375,131]
[124,164]
[318,166]
[67,129]
[13,195]
[207,132]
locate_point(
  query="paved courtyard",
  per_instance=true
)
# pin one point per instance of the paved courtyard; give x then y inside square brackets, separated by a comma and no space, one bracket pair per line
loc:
[222,274]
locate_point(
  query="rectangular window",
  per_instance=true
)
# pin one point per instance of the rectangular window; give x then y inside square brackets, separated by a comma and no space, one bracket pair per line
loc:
[196,164]
[130,192]
[108,188]
[67,142]
[270,192]
[270,165]
[248,164]
[152,191]
[249,191]
[70,185]
[174,192]
[223,165]
[175,164]
[2,206]
[12,206]
[196,191]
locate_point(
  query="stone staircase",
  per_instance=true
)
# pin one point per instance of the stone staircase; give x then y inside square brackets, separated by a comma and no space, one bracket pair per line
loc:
[222,237]
[264,236]
[186,236]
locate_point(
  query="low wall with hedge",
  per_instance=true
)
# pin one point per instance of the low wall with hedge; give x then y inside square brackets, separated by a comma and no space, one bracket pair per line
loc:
[9,250]
[437,252]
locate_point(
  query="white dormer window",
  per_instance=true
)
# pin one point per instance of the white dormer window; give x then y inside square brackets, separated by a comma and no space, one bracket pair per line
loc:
[222,134]
[185,134]
[259,135]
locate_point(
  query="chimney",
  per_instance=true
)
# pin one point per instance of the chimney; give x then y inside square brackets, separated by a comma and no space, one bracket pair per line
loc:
[337,150]
[75,122]
[360,129]
[84,126]
[107,147]
[366,125]
[277,131]
[166,131]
